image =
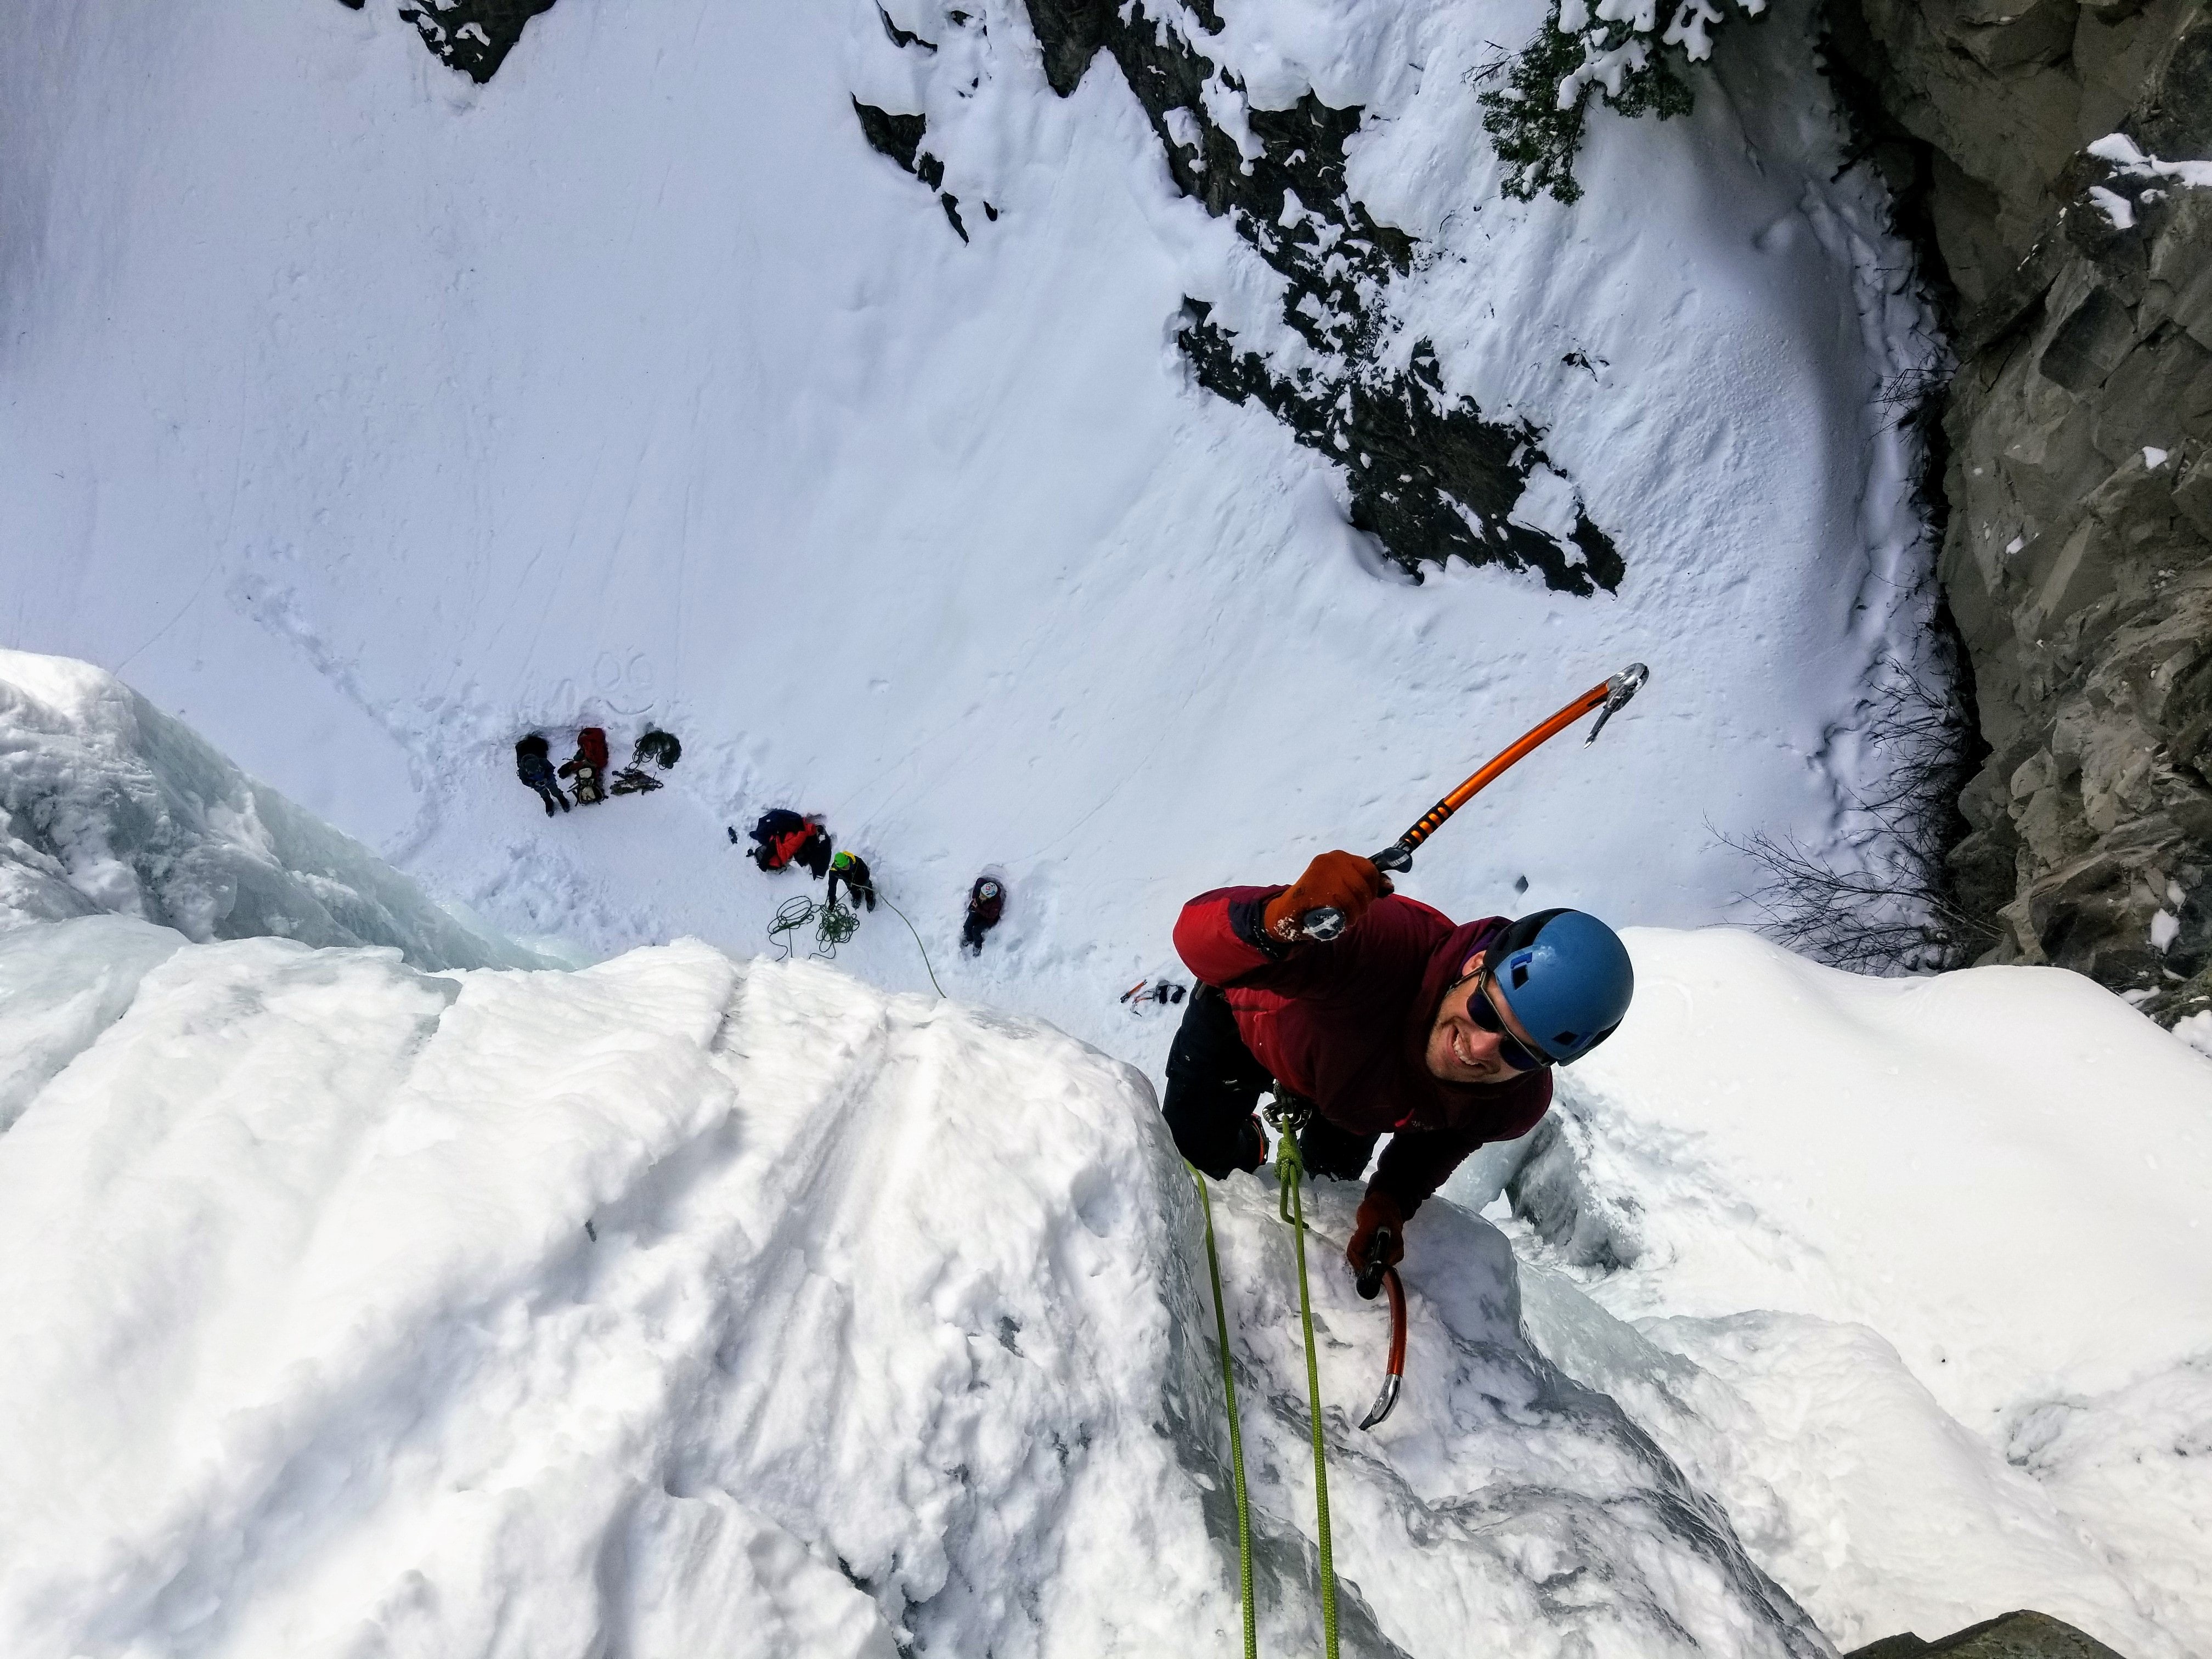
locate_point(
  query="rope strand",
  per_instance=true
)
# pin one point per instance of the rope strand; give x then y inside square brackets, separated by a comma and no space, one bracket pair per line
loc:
[1292,1169]
[1235,1434]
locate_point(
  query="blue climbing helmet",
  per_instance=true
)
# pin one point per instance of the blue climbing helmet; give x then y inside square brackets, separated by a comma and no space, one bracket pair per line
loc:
[1567,978]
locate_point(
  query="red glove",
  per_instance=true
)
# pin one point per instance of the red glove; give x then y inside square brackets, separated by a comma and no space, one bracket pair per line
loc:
[1377,1210]
[1342,881]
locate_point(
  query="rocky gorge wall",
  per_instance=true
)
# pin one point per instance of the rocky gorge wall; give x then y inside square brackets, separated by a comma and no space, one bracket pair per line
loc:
[2076,268]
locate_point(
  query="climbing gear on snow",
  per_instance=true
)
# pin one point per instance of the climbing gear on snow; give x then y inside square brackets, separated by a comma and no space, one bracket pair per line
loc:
[1147,992]
[1567,978]
[661,748]
[834,926]
[1235,1432]
[1326,922]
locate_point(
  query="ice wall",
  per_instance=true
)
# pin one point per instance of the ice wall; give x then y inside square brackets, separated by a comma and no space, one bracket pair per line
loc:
[107,804]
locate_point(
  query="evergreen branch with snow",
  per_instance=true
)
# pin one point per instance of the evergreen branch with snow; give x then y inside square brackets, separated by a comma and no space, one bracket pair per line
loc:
[1616,49]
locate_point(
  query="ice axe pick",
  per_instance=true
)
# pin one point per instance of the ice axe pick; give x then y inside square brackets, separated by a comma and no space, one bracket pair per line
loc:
[1326,921]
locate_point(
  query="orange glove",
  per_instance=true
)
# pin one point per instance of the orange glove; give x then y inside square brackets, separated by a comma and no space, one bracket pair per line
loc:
[1378,1211]
[1344,881]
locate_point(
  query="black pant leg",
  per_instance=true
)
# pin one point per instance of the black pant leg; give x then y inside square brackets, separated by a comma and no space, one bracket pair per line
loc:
[1213,1085]
[1328,1150]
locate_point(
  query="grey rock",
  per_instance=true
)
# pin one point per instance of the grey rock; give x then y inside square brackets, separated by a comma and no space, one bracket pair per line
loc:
[2015,1636]
[2077,551]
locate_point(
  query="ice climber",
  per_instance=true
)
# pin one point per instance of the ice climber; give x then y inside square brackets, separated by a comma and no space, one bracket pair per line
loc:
[588,766]
[533,765]
[853,870]
[783,838]
[1442,1035]
[987,902]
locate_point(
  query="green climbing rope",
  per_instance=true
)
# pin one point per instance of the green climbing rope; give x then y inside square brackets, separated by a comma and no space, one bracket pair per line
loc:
[1235,1434]
[1293,1209]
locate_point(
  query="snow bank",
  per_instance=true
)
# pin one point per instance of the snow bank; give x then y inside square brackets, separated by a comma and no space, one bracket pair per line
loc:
[108,804]
[1923,1265]
[673,1306]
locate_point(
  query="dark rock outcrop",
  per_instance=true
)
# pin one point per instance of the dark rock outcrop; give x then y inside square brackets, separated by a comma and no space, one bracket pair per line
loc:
[900,137]
[1428,476]
[473,36]
[2077,555]
[2015,1636]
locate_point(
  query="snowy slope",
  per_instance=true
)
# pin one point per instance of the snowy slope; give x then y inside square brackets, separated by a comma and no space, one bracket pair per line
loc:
[106,804]
[368,416]
[675,1305]
[1936,1251]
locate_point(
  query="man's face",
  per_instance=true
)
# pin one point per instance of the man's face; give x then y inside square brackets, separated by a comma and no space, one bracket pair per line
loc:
[1460,1051]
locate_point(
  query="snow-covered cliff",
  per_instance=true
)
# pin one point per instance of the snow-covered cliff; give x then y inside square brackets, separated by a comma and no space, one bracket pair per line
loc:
[109,806]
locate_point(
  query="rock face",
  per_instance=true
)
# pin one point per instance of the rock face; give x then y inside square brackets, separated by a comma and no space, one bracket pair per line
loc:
[473,36]
[2016,1636]
[2076,270]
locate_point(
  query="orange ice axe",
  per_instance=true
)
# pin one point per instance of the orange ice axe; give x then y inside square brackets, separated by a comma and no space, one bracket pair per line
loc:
[1326,921]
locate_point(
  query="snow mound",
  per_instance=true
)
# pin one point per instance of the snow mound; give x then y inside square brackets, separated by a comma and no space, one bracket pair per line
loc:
[1908,1273]
[675,1305]
[108,804]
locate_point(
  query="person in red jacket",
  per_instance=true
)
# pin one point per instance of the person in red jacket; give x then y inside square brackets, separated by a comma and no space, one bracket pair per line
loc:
[1441,1035]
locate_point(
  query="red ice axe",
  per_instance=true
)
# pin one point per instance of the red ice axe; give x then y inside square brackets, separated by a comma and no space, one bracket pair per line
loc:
[1372,1277]
[1326,921]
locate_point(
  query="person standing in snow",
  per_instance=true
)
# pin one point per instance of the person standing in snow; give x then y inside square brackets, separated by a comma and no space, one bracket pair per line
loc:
[783,838]
[987,902]
[533,765]
[1441,1035]
[853,870]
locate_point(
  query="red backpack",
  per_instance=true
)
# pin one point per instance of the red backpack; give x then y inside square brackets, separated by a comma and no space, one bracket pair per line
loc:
[592,743]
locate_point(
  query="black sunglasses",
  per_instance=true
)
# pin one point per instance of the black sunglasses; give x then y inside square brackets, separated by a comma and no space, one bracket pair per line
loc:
[1484,1012]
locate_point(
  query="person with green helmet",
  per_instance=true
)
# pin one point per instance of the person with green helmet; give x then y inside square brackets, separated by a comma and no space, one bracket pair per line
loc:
[853,870]
[1441,1035]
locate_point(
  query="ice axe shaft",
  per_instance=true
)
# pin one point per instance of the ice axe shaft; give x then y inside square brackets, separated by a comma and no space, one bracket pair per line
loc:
[1326,921]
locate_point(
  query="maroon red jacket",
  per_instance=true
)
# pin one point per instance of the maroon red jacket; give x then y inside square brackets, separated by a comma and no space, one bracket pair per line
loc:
[1346,1025]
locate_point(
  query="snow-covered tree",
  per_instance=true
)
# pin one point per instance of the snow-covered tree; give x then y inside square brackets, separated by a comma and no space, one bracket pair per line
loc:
[1615,48]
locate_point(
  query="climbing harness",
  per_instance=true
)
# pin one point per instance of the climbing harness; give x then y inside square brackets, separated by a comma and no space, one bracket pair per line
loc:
[1326,921]
[1236,1433]
[1291,1170]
